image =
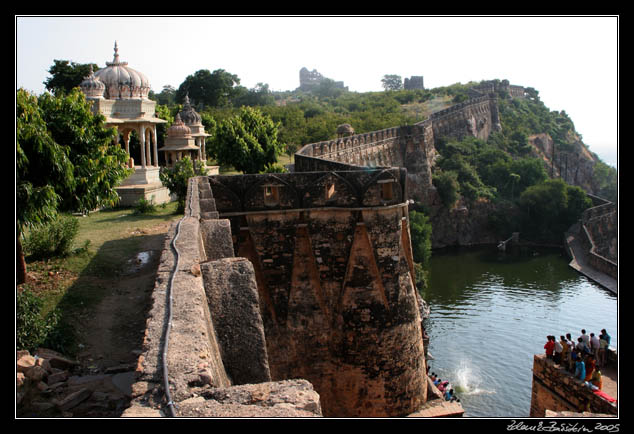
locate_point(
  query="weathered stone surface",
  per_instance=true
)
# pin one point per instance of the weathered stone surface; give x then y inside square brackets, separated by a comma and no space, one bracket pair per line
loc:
[56,359]
[290,398]
[74,399]
[216,236]
[551,392]
[232,296]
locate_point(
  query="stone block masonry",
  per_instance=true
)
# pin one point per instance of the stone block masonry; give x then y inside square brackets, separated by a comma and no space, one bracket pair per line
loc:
[332,261]
[556,390]
[320,289]
[232,293]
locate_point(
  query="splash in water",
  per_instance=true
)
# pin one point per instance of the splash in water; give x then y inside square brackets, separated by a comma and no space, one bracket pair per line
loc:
[468,382]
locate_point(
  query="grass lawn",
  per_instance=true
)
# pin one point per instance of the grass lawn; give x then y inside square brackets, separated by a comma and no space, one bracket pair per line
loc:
[75,284]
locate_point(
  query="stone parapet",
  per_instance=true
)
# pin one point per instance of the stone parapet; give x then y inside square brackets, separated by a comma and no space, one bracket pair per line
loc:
[557,390]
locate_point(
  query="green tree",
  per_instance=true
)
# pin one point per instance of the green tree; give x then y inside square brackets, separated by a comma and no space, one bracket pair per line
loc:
[65,160]
[247,141]
[551,207]
[42,166]
[260,95]
[420,230]
[98,165]
[213,89]
[67,75]
[392,82]
[446,183]
[175,178]
[166,97]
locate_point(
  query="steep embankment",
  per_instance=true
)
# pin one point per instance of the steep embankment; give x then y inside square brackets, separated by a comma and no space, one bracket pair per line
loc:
[490,172]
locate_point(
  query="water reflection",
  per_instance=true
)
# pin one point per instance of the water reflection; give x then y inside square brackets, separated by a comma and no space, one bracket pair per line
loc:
[491,312]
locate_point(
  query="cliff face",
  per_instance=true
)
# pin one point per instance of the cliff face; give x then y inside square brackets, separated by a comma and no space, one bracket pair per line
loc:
[575,165]
[462,225]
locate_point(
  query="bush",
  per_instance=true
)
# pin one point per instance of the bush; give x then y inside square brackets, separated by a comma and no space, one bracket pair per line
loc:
[176,178]
[52,239]
[31,328]
[144,206]
[448,187]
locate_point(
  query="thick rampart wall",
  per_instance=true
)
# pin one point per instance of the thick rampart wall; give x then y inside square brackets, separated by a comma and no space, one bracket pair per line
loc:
[476,117]
[214,357]
[411,147]
[333,265]
[293,295]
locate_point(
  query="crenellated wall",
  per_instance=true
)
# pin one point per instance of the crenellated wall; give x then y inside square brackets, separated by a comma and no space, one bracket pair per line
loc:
[411,147]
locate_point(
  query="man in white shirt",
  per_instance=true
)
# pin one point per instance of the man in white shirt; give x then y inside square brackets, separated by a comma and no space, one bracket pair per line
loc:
[585,337]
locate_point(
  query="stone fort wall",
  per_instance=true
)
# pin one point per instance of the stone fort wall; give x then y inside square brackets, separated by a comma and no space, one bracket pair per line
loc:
[306,275]
[288,276]
[411,147]
[332,260]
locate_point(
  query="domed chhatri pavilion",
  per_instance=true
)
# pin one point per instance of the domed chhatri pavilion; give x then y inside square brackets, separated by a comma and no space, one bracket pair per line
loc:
[120,93]
[186,137]
[180,143]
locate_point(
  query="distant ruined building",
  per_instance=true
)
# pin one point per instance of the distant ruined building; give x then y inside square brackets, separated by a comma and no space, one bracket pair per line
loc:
[415,82]
[310,80]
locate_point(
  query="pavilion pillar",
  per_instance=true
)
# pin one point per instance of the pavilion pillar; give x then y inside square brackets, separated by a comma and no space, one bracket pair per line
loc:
[155,143]
[142,140]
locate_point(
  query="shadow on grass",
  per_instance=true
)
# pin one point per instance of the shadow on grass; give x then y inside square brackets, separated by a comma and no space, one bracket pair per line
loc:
[106,305]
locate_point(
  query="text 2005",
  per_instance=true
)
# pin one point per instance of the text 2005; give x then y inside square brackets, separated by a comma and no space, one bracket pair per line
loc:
[608,428]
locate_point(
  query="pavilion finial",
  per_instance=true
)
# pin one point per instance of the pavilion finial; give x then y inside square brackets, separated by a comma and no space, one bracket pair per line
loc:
[115,60]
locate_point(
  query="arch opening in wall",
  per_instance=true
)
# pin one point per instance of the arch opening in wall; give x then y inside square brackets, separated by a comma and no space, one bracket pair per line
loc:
[330,190]
[387,189]
[271,195]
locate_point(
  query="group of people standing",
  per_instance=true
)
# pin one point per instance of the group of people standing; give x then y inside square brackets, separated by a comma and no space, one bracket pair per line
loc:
[444,387]
[583,358]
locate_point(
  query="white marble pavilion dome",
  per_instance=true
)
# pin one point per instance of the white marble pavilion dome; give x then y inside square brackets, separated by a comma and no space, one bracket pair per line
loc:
[121,81]
[92,86]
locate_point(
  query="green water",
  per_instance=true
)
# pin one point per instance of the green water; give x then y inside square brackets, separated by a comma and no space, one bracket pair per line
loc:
[491,312]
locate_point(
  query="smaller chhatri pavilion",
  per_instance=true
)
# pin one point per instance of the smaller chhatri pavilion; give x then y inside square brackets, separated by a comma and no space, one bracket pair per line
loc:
[180,143]
[186,137]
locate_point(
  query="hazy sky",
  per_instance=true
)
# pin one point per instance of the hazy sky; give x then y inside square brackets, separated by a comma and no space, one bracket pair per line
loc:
[571,61]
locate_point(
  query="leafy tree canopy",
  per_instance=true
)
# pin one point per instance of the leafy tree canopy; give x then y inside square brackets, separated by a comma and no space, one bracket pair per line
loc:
[392,82]
[247,141]
[213,89]
[67,75]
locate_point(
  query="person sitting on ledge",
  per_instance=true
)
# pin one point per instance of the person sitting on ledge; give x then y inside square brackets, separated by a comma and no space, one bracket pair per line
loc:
[580,368]
[597,379]
[448,395]
[442,386]
[590,365]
